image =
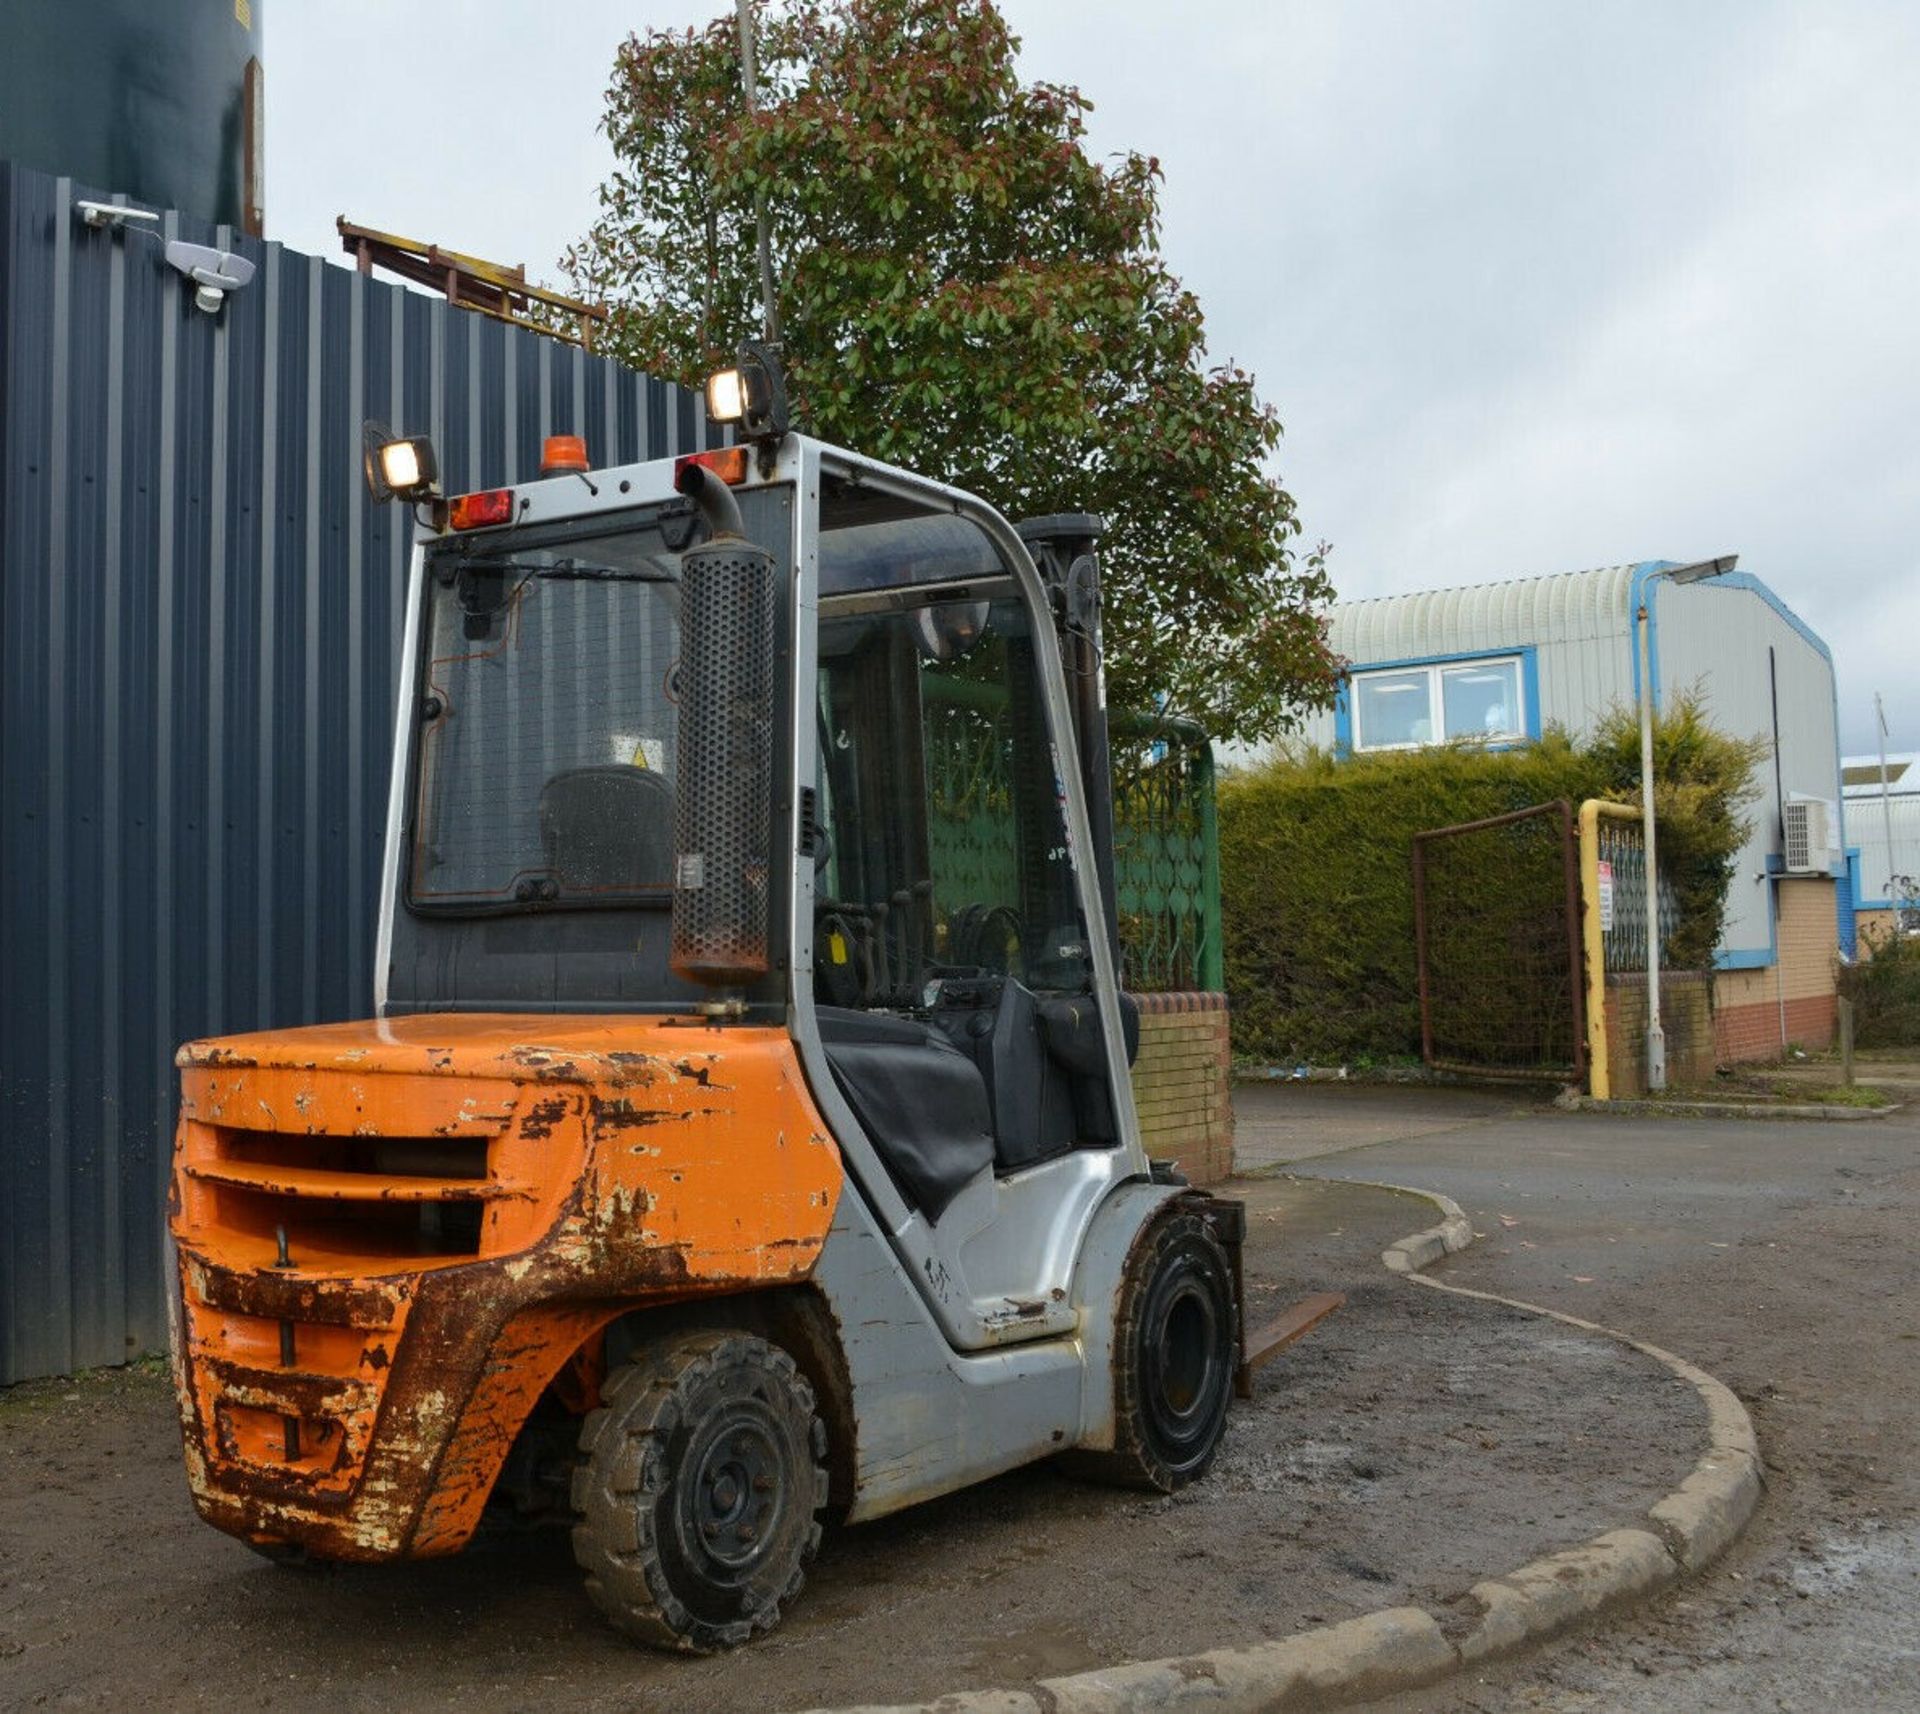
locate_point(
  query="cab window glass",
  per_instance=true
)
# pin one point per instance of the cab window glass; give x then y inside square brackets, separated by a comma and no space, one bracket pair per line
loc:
[943,800]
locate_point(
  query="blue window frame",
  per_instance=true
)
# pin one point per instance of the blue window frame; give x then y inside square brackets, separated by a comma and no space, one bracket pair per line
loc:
[1405,705]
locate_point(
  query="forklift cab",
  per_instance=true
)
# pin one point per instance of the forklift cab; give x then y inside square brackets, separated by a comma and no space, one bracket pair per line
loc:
[953,977]
[932,863]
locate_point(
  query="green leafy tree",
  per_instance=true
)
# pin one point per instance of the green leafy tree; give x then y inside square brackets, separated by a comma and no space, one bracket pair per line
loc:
[963,291]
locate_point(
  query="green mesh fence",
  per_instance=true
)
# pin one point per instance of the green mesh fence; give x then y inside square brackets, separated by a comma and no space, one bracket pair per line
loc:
[970,825]
[1166,856]
[1166,842]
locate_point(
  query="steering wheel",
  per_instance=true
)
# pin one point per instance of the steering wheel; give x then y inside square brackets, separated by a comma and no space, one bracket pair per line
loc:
[988,937]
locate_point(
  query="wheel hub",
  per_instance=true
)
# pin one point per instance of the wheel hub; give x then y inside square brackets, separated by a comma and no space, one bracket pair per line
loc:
[734,1492]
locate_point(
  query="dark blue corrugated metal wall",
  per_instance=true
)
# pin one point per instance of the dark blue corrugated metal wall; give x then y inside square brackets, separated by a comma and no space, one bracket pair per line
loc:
[199,610]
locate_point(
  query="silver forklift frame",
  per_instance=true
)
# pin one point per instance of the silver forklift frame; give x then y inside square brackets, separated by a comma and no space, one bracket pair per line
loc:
[947,1387]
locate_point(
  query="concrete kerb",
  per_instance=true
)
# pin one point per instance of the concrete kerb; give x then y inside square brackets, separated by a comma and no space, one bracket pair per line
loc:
[1422,1249]
[1658,1107]
[1404,1648]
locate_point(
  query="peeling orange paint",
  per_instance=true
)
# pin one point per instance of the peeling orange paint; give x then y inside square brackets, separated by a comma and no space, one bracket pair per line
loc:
[463,1208]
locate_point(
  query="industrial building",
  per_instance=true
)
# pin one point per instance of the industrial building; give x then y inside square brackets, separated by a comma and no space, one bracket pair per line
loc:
[1501,662]
[1882,799]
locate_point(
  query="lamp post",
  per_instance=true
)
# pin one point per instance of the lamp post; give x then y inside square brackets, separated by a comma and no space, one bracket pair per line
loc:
[1643,627]
[1886,802]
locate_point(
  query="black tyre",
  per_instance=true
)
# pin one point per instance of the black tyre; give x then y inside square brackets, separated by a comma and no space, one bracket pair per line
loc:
[700,1491]
[1174,1352]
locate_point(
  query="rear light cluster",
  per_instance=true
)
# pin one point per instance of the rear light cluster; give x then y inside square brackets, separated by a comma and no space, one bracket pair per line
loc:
[565,455]
[729,463]
[475,511]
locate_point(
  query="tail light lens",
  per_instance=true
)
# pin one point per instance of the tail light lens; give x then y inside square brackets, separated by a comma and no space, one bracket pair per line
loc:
[729,463]
[473,511]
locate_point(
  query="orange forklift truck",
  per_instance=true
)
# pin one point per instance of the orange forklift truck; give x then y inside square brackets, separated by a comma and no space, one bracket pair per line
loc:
[708,1162]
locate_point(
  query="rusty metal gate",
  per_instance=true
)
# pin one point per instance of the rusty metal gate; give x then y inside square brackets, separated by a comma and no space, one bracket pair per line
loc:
[1496,912]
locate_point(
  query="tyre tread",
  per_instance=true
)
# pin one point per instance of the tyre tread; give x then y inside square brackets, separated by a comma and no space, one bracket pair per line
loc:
[1132,1462]
[642,1409]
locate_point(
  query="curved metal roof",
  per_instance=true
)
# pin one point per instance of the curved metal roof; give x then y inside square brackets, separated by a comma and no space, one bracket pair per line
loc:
[1565,606]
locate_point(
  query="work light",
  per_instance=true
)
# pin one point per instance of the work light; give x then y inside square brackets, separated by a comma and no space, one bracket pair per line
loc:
[727,396]
[753,393]
[399,467]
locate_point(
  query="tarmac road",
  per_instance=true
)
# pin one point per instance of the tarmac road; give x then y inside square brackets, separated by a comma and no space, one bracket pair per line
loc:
[1408,1446]
[1782,1258]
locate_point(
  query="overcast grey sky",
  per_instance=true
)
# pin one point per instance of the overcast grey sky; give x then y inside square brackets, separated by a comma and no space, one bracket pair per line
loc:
[1535,284]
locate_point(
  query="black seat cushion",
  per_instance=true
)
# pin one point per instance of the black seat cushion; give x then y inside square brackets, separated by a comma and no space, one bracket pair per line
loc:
[918,1097]
[1071,1025]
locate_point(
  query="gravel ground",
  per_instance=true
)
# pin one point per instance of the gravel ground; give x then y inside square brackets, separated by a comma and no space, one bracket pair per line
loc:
[1408,1447]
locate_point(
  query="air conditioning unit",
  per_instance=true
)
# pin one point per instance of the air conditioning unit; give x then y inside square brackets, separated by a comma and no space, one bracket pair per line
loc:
[1809,845]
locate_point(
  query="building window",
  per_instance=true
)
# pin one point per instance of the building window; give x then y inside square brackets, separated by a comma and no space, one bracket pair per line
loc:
[1404,707]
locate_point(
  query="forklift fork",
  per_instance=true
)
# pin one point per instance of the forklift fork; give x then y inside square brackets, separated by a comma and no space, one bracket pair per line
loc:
[1229,1218]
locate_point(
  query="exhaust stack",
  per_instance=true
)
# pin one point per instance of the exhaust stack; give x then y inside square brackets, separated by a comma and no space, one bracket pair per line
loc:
[723,808]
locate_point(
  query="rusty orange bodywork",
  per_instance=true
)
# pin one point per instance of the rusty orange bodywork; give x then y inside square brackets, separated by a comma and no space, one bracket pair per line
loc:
[466,1200]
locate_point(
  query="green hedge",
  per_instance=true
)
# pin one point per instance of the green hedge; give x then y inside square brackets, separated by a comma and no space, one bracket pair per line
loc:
[1884,987]
[1316,885]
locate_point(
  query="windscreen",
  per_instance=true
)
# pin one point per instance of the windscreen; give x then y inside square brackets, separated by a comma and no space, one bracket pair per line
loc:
[548,721]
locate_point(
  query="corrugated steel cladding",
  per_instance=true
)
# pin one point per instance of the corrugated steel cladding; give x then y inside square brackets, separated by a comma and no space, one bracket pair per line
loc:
[197,655]
[1867,824]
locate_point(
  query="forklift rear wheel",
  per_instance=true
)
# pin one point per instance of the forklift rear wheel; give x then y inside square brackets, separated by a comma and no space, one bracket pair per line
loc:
[700,1491]
[1173,1360]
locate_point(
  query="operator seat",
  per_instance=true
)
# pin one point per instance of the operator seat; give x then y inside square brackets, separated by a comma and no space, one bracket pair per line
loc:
[918,1097]
[608,828]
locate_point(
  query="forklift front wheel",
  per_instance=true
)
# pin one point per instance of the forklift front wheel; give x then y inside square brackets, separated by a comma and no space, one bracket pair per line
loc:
[700,1491]
[1173,1359]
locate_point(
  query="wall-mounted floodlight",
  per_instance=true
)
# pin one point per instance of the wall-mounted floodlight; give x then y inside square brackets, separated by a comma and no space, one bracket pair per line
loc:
[113,215]
[213,272]
[398,467]
[1702,568]
[753,393]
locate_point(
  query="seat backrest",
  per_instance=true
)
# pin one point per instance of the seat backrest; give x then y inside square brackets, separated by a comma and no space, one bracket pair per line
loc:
[608,828]
[920,1100]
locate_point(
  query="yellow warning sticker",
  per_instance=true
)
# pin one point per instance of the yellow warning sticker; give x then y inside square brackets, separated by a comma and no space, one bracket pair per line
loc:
[837,948]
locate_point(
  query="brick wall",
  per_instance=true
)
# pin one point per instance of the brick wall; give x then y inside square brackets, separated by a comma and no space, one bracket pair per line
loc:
[1758,1014]
[1686,1017]
[1873,927]
[1182,1083]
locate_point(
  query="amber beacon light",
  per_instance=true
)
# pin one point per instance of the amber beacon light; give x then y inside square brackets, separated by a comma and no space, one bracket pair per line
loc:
[564,455]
